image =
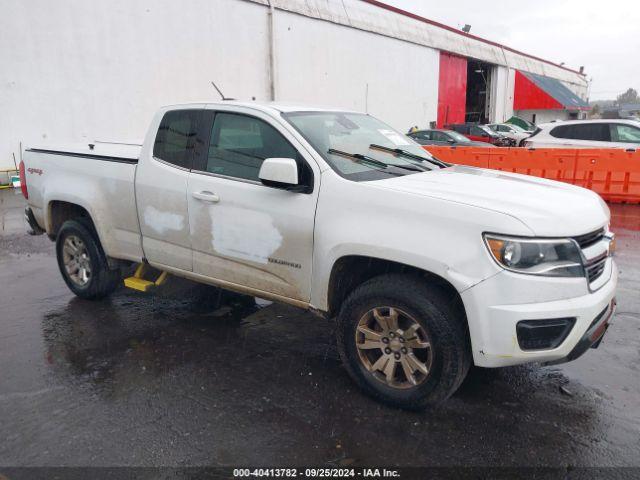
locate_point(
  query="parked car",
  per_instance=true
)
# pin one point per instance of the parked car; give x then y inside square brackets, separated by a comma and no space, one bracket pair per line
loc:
[510,131]
[426,267]
[444,138]
[482,133]
[587,134]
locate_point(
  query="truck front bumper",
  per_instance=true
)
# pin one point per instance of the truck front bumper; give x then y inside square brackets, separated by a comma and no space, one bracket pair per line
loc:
[493,325]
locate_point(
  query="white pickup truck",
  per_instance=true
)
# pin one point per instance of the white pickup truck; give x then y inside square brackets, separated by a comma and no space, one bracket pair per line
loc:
[426,266]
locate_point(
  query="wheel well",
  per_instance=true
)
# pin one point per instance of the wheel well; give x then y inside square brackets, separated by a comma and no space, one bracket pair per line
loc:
[351,271]
[60,212]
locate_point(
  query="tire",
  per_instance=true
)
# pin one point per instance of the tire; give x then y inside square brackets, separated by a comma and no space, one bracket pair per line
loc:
[440,325]
[100,279]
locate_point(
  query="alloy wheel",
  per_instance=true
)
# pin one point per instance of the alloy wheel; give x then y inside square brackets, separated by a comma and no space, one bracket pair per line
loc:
[394,347]
[76,260]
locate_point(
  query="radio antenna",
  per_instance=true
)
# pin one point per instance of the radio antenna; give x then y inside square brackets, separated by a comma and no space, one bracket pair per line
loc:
[220,92]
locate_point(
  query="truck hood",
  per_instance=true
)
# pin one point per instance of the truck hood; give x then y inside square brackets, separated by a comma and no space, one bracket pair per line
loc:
[547,207]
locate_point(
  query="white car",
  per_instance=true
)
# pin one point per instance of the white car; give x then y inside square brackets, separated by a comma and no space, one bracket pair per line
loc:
[427,267]
[586,134]
[510,131]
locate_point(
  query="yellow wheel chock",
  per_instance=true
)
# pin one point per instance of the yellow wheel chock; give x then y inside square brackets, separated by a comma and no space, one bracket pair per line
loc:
[138,282]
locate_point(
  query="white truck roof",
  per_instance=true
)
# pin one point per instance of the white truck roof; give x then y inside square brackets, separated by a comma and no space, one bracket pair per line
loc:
[265,106]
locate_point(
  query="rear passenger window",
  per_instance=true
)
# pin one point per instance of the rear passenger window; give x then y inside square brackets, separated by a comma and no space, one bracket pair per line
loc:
[598,132]
[176,138]
[239,144]
[561,131]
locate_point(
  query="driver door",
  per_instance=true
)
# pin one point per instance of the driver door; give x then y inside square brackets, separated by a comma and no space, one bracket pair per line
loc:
[244,233]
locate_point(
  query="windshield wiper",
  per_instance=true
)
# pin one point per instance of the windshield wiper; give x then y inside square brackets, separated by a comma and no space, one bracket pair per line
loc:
[366,159]
[358,156]
[406,154]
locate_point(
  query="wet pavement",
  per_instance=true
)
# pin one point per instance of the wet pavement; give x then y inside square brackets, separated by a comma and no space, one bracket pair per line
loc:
[185,378]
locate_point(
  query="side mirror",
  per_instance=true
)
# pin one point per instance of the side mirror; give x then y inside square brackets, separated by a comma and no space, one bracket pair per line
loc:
[451,140]
[279,173]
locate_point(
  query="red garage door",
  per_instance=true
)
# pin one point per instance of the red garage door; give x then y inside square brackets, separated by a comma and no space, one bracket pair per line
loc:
[452,89]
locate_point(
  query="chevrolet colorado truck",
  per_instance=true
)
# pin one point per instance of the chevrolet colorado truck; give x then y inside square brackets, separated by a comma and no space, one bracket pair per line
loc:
[426,266]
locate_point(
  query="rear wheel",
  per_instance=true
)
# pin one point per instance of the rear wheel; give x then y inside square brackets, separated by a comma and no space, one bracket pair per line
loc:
[82,262]
[403,341]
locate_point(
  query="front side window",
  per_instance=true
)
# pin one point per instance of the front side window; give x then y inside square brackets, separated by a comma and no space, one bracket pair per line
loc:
[176,138]
[479,131]
[458,137]
[625,133]
[440,137]
[239,144]
[350,143]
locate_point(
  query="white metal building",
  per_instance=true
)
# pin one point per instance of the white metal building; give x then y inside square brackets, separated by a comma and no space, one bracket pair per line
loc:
[78,71]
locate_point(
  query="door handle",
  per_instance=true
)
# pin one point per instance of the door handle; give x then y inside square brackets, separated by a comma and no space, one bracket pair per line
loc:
[206,196]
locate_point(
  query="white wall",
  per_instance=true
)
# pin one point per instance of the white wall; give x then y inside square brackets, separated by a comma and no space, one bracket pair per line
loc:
[543,116]
[330,64]
[76,70]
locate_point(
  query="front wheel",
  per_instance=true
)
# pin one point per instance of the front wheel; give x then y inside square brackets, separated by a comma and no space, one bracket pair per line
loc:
[403,341]
[82,261]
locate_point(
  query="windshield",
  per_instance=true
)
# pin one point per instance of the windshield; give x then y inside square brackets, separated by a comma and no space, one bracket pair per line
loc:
[458,137]
[342,137]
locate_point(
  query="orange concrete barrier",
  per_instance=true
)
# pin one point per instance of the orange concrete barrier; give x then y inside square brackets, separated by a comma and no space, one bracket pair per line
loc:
[612,173]
[474,156]
[546,163]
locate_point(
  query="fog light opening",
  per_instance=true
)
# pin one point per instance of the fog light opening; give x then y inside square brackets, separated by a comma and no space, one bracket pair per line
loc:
[544,334]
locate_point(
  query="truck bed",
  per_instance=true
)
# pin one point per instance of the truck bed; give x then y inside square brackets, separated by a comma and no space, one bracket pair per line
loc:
[99,179]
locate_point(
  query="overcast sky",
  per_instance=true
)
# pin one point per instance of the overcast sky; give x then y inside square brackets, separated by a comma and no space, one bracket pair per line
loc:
[604,36]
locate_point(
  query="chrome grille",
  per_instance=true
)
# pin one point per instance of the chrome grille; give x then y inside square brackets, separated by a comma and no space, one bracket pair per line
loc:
[595,268]
[595,252]
[589,239]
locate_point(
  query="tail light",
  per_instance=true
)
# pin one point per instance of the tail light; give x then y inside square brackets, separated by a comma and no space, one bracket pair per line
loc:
[23,181]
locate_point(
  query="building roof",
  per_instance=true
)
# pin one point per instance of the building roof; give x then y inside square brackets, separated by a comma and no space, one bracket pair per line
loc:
[465,34]
[377,17]
[629,107]
[538,92]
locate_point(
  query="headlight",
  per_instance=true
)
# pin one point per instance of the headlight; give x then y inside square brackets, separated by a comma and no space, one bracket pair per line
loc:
[552,258]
